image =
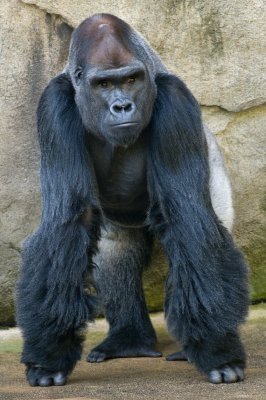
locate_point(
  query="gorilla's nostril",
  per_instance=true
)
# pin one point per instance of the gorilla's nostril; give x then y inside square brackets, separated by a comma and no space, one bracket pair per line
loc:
[117,109]
[127,107]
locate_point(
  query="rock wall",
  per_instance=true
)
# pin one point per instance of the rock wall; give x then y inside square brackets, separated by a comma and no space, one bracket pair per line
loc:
[217,48]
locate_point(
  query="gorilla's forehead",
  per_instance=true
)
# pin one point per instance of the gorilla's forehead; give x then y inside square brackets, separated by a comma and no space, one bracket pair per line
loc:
[102,40]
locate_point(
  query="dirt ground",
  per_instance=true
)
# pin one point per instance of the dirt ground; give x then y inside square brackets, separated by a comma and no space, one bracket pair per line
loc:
[139,378]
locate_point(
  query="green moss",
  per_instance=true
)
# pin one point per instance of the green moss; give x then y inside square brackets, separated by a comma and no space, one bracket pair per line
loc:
[10,346]
[154,280]
[256,255]
[7,312]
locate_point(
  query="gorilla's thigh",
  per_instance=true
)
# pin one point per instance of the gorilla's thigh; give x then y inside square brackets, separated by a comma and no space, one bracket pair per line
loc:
[122,254]
[119,263]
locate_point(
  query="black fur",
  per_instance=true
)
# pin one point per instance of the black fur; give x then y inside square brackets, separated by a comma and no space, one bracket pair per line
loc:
[206,288]
[52,306]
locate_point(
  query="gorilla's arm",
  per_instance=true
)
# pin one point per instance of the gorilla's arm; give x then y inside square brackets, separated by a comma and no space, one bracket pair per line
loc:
[52,306]
[206,290]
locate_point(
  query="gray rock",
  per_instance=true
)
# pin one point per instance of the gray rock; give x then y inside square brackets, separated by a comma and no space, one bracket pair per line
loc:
[34,48]
[218,48]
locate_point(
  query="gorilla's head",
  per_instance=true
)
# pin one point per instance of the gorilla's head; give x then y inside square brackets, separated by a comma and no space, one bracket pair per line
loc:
[114,89]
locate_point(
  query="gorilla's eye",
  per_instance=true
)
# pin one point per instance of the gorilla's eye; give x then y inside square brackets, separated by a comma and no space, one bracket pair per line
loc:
[131,80]
[104,84]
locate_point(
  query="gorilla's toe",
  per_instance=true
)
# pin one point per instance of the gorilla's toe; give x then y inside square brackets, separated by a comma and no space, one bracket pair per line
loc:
[38,376]
[226,374]
[97,356]
[178,356]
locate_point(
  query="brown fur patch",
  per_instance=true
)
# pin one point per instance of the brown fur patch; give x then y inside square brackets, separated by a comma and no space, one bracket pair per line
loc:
[102,40]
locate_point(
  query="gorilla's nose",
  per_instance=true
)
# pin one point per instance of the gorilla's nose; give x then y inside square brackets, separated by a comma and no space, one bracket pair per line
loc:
[122,107]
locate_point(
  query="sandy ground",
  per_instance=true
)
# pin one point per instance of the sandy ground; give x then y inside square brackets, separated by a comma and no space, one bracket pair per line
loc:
[139,378]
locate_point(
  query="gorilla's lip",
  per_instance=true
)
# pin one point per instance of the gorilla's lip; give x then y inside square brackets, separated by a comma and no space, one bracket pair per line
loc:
[124,124]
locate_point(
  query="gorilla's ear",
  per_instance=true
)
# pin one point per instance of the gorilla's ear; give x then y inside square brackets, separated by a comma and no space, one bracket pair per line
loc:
[65,173]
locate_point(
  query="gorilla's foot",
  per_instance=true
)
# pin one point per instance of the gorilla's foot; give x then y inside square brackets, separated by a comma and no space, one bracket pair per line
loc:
[226,374]
[178,356]
[38,376]
[123,344]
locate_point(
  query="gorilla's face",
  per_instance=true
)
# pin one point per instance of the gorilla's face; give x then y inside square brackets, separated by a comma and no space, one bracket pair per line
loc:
[115,103]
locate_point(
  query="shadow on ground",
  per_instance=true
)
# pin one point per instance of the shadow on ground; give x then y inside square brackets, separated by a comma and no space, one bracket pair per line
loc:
[139,378]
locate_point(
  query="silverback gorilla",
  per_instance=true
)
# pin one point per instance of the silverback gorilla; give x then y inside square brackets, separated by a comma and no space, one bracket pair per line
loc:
[125,158]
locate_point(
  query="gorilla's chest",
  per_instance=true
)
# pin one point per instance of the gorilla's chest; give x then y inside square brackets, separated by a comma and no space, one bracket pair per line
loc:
[122,183]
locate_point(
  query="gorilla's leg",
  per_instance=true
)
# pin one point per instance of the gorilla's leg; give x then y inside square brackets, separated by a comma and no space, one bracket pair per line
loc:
[122,255]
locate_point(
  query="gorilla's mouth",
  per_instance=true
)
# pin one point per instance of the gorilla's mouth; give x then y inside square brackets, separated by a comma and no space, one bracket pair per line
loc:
[124,124]
[124,133]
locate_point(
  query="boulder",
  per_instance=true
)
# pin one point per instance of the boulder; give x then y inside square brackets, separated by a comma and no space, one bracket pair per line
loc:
[217,48]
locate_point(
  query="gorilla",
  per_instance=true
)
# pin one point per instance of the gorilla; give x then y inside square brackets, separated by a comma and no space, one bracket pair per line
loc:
[126,159]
